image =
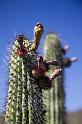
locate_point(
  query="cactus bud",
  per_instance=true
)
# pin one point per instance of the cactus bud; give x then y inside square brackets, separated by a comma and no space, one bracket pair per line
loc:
[68,61]
[20,39]
[65,49]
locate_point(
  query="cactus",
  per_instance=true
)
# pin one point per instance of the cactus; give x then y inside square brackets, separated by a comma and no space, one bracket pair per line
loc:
[55,98]
[24,100]
[27,78]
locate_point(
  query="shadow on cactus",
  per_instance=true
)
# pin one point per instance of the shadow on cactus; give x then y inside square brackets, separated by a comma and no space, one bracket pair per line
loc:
[27,78]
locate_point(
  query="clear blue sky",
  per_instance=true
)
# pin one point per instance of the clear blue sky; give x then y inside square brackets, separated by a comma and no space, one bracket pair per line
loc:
[61,16]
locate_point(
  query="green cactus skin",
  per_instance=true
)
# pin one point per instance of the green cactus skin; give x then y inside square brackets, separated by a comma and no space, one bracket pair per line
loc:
[37,106]
[12,85]
[55,98]
[24,100]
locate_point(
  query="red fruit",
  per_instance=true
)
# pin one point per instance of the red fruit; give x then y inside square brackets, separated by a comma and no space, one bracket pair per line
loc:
[22,51]
[37,72]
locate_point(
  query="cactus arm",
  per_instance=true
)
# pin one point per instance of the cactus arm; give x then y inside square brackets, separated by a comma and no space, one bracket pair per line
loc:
[38,31]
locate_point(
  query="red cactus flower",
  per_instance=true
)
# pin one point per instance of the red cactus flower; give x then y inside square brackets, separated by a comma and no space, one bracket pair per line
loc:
[21,51]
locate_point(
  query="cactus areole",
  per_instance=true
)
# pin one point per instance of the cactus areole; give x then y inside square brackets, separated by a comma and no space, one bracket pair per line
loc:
[27,78]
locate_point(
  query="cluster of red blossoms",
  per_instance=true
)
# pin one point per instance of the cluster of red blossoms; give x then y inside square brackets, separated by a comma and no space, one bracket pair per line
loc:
[21,51]
[38,72]
[40,68]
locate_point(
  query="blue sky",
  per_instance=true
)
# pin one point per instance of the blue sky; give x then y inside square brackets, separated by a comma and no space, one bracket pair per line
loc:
[61,16]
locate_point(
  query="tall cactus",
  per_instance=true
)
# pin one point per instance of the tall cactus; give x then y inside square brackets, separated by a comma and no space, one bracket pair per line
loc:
[56,96]
[27,78]
[24,100]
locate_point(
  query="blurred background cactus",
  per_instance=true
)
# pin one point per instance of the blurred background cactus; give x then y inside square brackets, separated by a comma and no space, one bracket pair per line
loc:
[55,97]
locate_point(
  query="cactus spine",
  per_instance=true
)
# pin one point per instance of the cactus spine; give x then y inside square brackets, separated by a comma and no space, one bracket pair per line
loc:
[24,101]
[56,96]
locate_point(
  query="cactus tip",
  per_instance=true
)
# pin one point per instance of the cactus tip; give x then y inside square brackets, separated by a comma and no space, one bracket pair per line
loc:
[38,29]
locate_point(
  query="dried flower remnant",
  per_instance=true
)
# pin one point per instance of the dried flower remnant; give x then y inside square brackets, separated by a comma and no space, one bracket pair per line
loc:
[21,51]
[46,82]
[42,67]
